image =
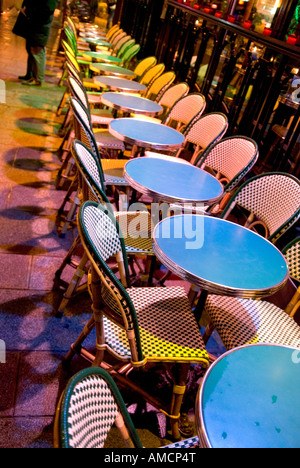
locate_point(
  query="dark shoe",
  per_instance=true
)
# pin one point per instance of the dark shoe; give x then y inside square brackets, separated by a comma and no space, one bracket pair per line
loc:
[24,78]
[32,82]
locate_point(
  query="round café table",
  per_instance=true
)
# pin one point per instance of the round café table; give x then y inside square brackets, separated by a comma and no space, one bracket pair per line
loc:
[171,182]
[144,134]
[249,398]
[97,42]
[115,83]
[101,57]
[112,69]
[219,256]
[128,103]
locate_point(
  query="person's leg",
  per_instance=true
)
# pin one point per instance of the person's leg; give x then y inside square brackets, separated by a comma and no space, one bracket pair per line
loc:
[30,64]
[38,55]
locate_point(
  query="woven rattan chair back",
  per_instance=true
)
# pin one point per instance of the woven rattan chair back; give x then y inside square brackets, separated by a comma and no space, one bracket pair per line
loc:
[102,239]
[273,201]
[78,91]
[117,37]
[89,174]
[292,255]
[84,132]
[230,159]
[185,110]
[173,94]
[204,132]
[143,66]
[90,405]
[159,85]
[152,74]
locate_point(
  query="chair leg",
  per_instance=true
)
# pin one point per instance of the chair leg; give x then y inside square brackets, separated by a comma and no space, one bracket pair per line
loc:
[177,398]
[208,331]
[73,286]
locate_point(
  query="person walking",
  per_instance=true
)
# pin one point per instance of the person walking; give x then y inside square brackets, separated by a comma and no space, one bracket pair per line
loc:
[39,16]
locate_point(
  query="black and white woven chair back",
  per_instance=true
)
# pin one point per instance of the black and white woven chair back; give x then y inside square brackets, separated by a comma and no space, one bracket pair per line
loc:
[90,406]
[90,181]
[230,159]
[186,109]
[99,232]
[82,126]
[79,92]
[274,198]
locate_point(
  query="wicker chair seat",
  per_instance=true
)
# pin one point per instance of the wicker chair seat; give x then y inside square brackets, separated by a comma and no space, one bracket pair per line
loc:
[156,307]
[244,321]
[106,140]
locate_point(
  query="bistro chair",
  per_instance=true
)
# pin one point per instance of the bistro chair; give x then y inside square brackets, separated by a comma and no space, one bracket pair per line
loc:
[91,187]
[244,321]
[141,327]
[143,66]
[159,86]
[153,73]
[129,54]
[90,405]
[112,168]
[172,95]
[183,112]
[200,133]
[268,203]
[99,117]
[229,160]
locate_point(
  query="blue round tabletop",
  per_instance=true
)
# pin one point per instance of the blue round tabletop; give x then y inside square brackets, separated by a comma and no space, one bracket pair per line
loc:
[127,103]
[219,256]
[101,57]
[119,84]
[249,398]
[172,182]
[146,134]
[111,69]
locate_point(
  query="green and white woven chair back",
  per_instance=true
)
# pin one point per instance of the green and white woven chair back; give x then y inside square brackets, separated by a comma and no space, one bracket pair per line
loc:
[186,110]
[99,231]
[292,255]
[82,125]
[230,158]
[207,130]
[159,85]
[274,198]
[91,405]
[79,92]
[90,181]
[173,94]
[152,74]
[144,65]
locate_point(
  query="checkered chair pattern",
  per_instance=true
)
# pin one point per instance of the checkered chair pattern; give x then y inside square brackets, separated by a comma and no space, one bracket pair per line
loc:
[90,185]
[90,405]
[159,85]
[201,133]
[262,196]
[158,322]
[245,321]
